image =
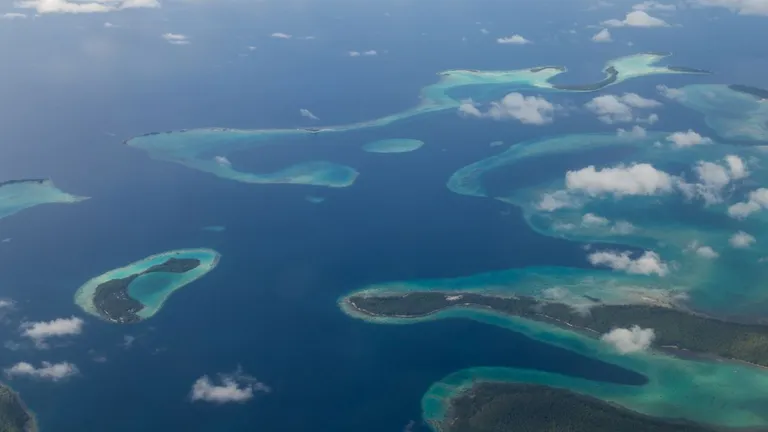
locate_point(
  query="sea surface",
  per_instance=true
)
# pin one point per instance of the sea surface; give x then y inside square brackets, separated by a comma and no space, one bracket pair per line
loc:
[270,305]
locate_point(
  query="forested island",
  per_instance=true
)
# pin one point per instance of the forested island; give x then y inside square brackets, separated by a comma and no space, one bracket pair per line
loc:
[673,328]
[112,300]
[753,91]
[14,415]
[506,407]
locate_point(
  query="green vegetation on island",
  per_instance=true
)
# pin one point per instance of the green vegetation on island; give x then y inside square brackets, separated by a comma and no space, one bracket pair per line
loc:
[506,407]
[673,328]
[754,91]
[14,415]
[611,76]
[113,301]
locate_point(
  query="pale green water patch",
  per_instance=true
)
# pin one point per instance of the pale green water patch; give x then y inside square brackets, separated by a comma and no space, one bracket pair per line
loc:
[17,195]
[733,114]
[395,145]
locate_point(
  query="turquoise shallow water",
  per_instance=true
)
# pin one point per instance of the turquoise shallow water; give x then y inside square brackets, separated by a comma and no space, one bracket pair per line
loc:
[20,195]
[679,209]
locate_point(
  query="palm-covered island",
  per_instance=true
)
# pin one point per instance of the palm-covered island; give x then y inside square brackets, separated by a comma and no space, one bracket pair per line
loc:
[675,329]
[137,291]
[14,415]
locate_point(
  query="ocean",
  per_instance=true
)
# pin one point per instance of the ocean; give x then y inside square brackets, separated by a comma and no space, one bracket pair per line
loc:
[270,305]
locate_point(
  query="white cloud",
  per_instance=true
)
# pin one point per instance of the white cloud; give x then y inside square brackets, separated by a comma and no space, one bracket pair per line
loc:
[637,179]
[42,330]
[741,240]
[630,340]
[670,93]
[736,166]
[236,387]
[368,53]
[688,139]
[526,109]
[651,119]
[702,251]
[593,220]
[47,371]
[484,31]
[176,39]
[110,25]
[742,7]
[222,160]
[554,201]
[96,6]
[635,132]
[513,40]
[757,200]
[623,228]
[647,264]
[13,15]
[308,114]
[616,109]
[654,5]
[468,108]
[602,36]
[637,18]
[6,303]
[279,35]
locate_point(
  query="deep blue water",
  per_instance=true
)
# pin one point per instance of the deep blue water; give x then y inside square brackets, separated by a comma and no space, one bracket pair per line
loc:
[270,305]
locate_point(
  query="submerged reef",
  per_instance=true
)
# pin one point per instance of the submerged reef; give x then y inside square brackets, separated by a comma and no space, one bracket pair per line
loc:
[138,291]
[17,195]
[195,148]
[397,145]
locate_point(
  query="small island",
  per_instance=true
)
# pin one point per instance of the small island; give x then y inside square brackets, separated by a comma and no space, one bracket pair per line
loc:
[397,145]
[675,329]
[759,93]
[137,291]
[14,415]
[503,407]
[611,76]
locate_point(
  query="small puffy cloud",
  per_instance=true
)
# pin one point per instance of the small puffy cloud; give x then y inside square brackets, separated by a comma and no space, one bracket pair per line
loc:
[554,201]
[736,166]
[637,18]
[75,7]
[648,263]
[110,25]
[688,139]
[651,5]
[176,39]
[593,220]
[308,114]
[526,109]
[484,31]
[368,53]
[47,371]
[630,340]
[756,201]
[741,240]
[616,109]
[222,160]
[637,179]
[513,40]
[279,35]
[228,388]
[602,36]
[469,109]
[637,101]
[635,132]
[742,7]
[13,15]
[670,93]
[42,330]
[6,304]
[702,251]
[533,110]
[623,228]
